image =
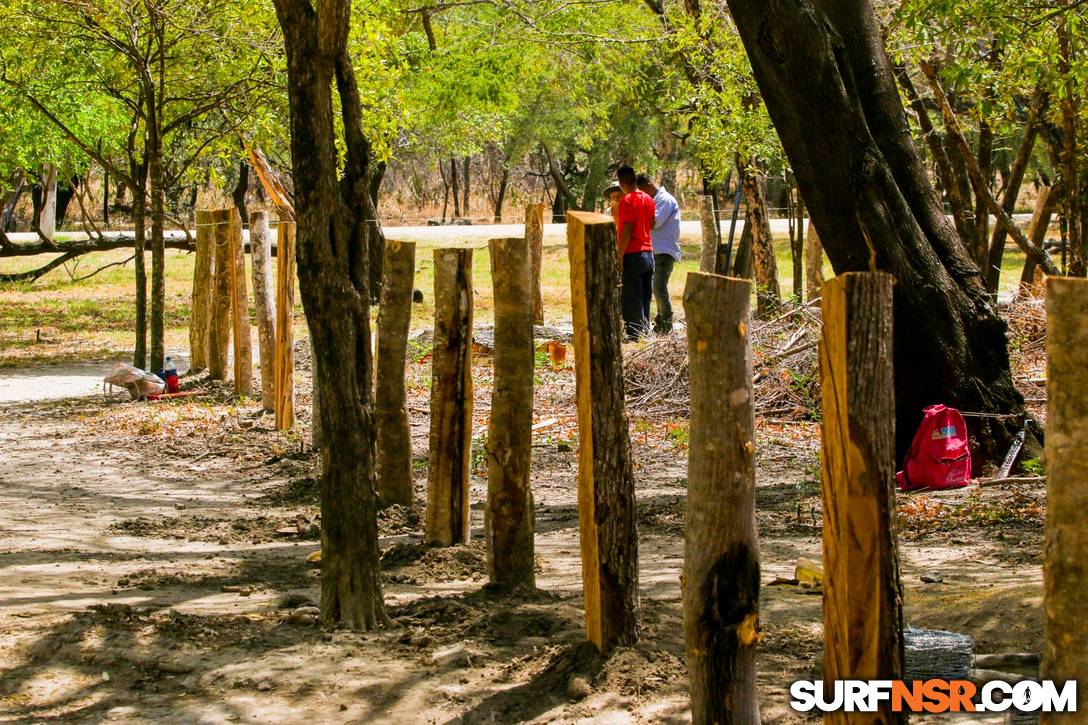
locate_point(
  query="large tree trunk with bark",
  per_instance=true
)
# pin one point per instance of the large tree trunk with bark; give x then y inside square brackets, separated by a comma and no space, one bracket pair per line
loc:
[829,88]
[333,276]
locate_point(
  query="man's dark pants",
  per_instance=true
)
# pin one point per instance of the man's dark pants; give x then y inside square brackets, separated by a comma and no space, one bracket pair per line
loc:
[638,279]
[662,271]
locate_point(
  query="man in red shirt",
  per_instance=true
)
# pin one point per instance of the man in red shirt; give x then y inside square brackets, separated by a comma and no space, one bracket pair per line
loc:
[634,220]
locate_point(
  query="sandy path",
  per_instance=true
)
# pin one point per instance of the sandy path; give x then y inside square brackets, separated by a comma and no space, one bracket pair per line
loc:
[142,586]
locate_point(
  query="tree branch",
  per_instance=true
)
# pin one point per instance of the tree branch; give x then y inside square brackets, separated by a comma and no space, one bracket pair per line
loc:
[982,187]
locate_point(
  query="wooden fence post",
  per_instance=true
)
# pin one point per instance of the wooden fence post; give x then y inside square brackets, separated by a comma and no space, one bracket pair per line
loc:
[606,481]
[394,436]
[709,259]
[284,386]
[264,303]
[1065,576]
[201,309]
[239,302]
[447,517]
[534,235]
[721,544]
[509,512]
[863,617]
[219,332]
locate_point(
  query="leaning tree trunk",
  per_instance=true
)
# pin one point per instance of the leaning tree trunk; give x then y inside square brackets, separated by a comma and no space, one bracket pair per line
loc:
[828,86]
[333,277]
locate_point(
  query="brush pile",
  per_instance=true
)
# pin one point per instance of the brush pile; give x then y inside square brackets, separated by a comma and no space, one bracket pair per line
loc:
[784,361]
[1026,334]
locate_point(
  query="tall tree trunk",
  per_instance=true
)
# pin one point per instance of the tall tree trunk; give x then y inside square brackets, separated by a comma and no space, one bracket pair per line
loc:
[332,266]
[455,185]
[158,246]
[504,182]
[949,182]
[240,190]
[797,244]
[46,215]
[1013,182]
[1070,183]
[979,246]
[465,185]
[105,198]
[829,89]
[7,211]
[375,234]
[139,226]
[768,294]
[445,189]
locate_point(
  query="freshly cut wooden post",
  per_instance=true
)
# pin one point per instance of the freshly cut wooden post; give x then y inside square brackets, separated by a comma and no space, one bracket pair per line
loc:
[199,327]
[721,545]
[709,258]
[509,513]
[264,303]
[447,517]
[814,263]
[863,618]
[394,436]
[239,302]
[219,333]
[534,235]
[284,386]
[606,483]
[1065,575]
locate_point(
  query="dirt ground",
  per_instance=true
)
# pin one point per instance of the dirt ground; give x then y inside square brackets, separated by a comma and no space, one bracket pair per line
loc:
[154,568]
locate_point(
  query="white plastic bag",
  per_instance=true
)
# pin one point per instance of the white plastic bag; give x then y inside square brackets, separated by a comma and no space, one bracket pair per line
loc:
[137,382]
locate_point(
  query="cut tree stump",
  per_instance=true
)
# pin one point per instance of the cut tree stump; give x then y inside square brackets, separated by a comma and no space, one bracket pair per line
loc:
[863,617]
[199,327]
[447,517]
[264,303]
[284,385]
[721,546]
[509,513]
[239,304]
[394,436]
[1065,573]
[222,263]
[606,484]
[534,235]
[708,261]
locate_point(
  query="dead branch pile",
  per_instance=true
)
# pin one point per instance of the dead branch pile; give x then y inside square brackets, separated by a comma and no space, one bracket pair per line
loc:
[784,361]
[1026,316]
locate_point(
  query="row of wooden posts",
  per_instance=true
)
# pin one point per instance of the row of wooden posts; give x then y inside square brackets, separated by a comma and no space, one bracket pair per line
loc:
[721,574]
[220,306]
[863,619]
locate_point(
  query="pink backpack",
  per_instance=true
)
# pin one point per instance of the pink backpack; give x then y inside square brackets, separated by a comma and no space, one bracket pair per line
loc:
[939,456]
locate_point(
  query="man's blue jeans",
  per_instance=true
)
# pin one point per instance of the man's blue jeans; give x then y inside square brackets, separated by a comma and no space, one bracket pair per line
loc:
[638,279]
[663,264]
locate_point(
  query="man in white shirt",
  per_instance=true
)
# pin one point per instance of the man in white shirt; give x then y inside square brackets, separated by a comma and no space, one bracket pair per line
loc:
[666,242]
